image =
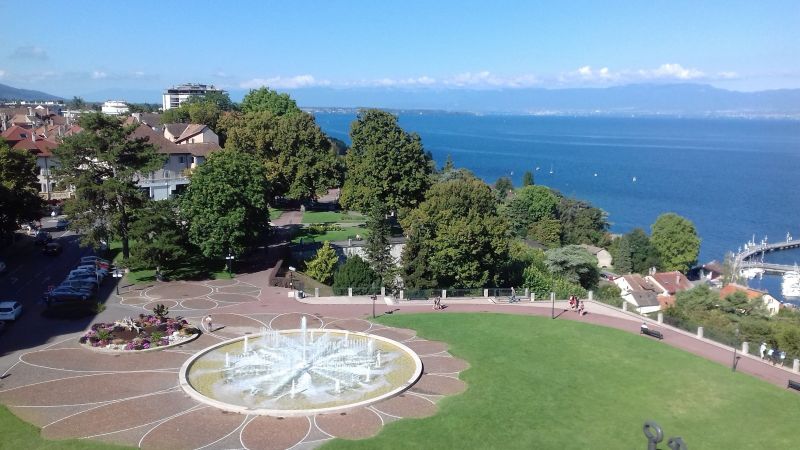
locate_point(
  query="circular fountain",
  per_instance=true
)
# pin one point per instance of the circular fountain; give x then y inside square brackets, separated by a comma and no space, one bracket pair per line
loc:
[300,372]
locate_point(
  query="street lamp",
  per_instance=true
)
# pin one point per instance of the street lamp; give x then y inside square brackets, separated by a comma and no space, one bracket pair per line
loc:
[735,344]
[117,274]
[374,297]
[229,263]
[291,277]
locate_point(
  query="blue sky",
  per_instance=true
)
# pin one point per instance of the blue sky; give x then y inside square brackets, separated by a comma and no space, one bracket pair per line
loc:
[79,47]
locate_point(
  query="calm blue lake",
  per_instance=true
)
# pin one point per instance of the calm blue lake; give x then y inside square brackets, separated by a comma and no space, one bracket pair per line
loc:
[732,177]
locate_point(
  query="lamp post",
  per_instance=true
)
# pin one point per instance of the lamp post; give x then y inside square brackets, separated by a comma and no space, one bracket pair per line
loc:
[735,344]
[374,297]
[229,263]
[117,274]
[552,305]
[291,277]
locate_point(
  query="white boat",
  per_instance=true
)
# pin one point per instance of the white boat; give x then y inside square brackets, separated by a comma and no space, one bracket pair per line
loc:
[790,286]
[752,273]
[551,169]
[634,179]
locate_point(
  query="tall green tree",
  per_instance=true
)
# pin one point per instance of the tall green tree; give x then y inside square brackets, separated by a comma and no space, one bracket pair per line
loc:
[574,264]
[385,164]
[226,203]
[582,223]
[675,238]
[527,179]
[502,187]
[19,191]
[323,265]
[529,205]
[265,99]
[104,164]
[621,254]
[357,274]
[463,239]
[378,249]
[160,236]
[76,103]
[643,255]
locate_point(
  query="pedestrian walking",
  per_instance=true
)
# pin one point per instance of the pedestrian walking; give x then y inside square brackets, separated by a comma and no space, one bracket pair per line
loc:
[209,323]
[436,301]
[762,350]
[581,309]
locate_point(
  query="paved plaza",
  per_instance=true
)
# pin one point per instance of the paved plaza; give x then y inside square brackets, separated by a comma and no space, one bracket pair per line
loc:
[135,399]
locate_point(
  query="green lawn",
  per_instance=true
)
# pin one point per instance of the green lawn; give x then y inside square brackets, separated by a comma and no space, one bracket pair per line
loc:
[17,434]
[336,235]
[332,217]
[535,383]
[194,268]
[274,213]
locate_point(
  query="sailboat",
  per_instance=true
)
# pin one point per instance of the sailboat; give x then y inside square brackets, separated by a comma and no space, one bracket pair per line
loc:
[551,169]
[634,179]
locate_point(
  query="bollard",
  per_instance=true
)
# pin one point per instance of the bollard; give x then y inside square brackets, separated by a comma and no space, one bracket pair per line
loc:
[796,365]
[485,292]
[383,291]
[349,292]
[533,296]
[444,293]
[624,306]
[745,347]
[402,294]
[700,332]
[660,317]
[591,295]
[527,293]
[316,292]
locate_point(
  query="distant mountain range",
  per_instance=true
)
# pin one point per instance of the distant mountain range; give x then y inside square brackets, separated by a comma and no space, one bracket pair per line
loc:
[8,93]
[637,99]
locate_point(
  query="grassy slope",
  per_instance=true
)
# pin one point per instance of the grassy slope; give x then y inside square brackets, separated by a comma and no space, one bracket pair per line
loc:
[16,434]
[331,217]
[537,383]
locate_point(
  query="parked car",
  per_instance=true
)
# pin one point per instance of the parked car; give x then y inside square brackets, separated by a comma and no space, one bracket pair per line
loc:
[61,224]
[10,310]
[52,248]
[97,261]
[68,293]
[93,268]
[60,297]
[81,275]
[42,237]
[89,286]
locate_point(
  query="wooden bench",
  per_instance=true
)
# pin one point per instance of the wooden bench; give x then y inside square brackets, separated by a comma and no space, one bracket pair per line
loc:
[649,332]
[794,385]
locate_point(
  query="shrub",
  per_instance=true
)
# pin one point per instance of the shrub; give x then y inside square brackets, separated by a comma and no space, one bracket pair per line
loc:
[355,273]
[161,311]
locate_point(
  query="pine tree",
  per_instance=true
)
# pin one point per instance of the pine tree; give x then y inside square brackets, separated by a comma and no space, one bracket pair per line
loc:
[378,250]
[527,179]
[322,266]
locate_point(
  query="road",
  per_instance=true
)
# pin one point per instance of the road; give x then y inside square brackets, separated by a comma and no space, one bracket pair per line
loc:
[28,276]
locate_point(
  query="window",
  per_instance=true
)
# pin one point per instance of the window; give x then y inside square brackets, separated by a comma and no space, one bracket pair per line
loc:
[182,159]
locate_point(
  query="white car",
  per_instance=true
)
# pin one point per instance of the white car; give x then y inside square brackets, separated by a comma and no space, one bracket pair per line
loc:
[10,310]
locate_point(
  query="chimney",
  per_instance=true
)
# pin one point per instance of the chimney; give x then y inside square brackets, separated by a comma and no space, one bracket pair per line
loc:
[33,135]
[30,111]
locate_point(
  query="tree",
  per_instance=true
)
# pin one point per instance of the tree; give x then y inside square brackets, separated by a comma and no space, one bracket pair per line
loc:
[357,274]
[531,204]
[457,229]
[574,264]
[581,223]
[675,238]
[415,270]
[378,249]
[643,255]
[265,99]
[503,187]
[621,254]
[19,193]
[322,266]
[104,164]
[527,179]
[226,203]
[385,164]
[161,239]
[541,283]
[448,164]
[77,104]
[204,109]
[546,231]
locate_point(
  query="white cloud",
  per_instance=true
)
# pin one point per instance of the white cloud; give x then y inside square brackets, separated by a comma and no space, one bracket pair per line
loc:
[298,81]
[2,73]
[666,72]
[674,71]
[29,52]
[98,75]
[487,79]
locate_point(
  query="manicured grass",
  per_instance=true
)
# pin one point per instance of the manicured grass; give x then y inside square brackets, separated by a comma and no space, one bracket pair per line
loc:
[332,217]
[274,213]
[193,268]
[16,434]
[539,383]
[335,235]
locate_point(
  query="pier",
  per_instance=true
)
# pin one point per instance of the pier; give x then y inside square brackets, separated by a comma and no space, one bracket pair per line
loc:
[743,259]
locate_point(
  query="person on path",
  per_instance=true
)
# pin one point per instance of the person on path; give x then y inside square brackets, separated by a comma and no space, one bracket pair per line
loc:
[644,326]
[581,309]
[571,301]
[762,350]
[209,323]
[436,303]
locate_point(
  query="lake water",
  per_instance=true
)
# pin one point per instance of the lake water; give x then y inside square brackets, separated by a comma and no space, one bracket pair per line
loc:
[732,177]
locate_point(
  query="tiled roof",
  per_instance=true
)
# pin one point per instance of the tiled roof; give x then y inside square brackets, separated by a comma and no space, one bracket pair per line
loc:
[176,129]
[637,283]
[162,144]
[732,287]
[191,130]
[16,133]
[645,298]
[672,281]
[200,149]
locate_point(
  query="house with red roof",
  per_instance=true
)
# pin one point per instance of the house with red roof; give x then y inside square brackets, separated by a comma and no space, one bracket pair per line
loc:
[20,138]
[771,303]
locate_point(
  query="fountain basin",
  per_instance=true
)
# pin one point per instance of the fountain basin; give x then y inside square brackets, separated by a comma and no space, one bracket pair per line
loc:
[300,372]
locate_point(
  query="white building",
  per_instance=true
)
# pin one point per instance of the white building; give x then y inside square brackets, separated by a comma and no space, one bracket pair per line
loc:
[173,97]
[115,108]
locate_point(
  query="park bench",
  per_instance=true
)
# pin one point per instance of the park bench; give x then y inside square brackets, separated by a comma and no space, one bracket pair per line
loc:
[654,333]
[794,385]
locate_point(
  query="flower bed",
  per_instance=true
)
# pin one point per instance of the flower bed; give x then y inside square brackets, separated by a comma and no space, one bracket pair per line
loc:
[145,333]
